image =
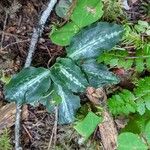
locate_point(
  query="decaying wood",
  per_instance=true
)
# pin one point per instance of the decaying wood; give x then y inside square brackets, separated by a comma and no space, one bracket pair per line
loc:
[7,115]
[107,128]
[108,132]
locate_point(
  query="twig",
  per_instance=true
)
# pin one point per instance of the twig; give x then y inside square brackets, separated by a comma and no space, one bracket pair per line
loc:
[4,26]
[17,42]
[54,131]
[11,34]
[36,34]
[55,125]
[38,31]
[50,141]
[27,132]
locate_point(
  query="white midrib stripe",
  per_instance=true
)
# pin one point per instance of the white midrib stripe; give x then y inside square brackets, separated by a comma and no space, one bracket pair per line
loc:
[64,103]
[73,79]
[79,51]
[31,82]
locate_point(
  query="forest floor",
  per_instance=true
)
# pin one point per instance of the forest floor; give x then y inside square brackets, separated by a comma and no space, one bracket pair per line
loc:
[17,19]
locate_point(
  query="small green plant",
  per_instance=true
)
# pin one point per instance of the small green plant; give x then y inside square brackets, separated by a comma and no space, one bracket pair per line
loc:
[113,10]
[61,84]
[69,75]
[127,102]
[5,142]
[121,58]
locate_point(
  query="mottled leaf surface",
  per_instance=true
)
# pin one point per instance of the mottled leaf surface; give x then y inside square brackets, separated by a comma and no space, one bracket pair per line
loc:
[98,74]
[28,86]
[62,8]
[92,41]
[68,106]
[86,12]
[67,74]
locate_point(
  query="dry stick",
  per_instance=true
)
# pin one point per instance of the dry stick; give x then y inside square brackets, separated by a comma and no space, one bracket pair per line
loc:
[55,125]
[5,22]
[54,131]
[11,44]
[36,34]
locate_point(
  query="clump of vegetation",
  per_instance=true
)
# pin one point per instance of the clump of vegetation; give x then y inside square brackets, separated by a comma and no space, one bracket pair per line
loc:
[113,10]
[5,142]
[91,49]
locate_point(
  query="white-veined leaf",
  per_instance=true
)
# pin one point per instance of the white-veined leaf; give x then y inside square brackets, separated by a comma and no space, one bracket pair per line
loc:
[92,41]
[28,86]
[69,105]
[98,74]
[67,74]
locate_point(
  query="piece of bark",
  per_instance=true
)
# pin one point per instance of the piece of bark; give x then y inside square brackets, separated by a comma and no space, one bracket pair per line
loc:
[108,132]
[107,128]
[7,115]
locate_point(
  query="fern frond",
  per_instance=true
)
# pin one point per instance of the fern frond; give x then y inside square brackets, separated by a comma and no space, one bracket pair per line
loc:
[122,103]
[122,59]
[5,142]
[127,102]
[142,60]
[116,58]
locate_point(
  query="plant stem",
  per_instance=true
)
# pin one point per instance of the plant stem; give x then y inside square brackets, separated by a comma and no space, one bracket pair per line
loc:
[37,32]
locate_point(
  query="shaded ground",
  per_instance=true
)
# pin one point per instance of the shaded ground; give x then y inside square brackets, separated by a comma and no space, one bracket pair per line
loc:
[17,20]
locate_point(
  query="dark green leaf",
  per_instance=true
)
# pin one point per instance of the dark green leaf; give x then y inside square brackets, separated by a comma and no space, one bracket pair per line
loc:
[90,42]
[69,105]
[67,74]
[62,8]
[86,12]
[98,74]
[28,86]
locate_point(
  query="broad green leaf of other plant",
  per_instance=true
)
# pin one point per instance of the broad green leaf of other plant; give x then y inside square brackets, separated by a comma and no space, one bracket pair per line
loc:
[67,74]
[86,12]
[29,85]
[87,126]
[68,106]
[130,141]
[98,74]
[93,40]
[63,35]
